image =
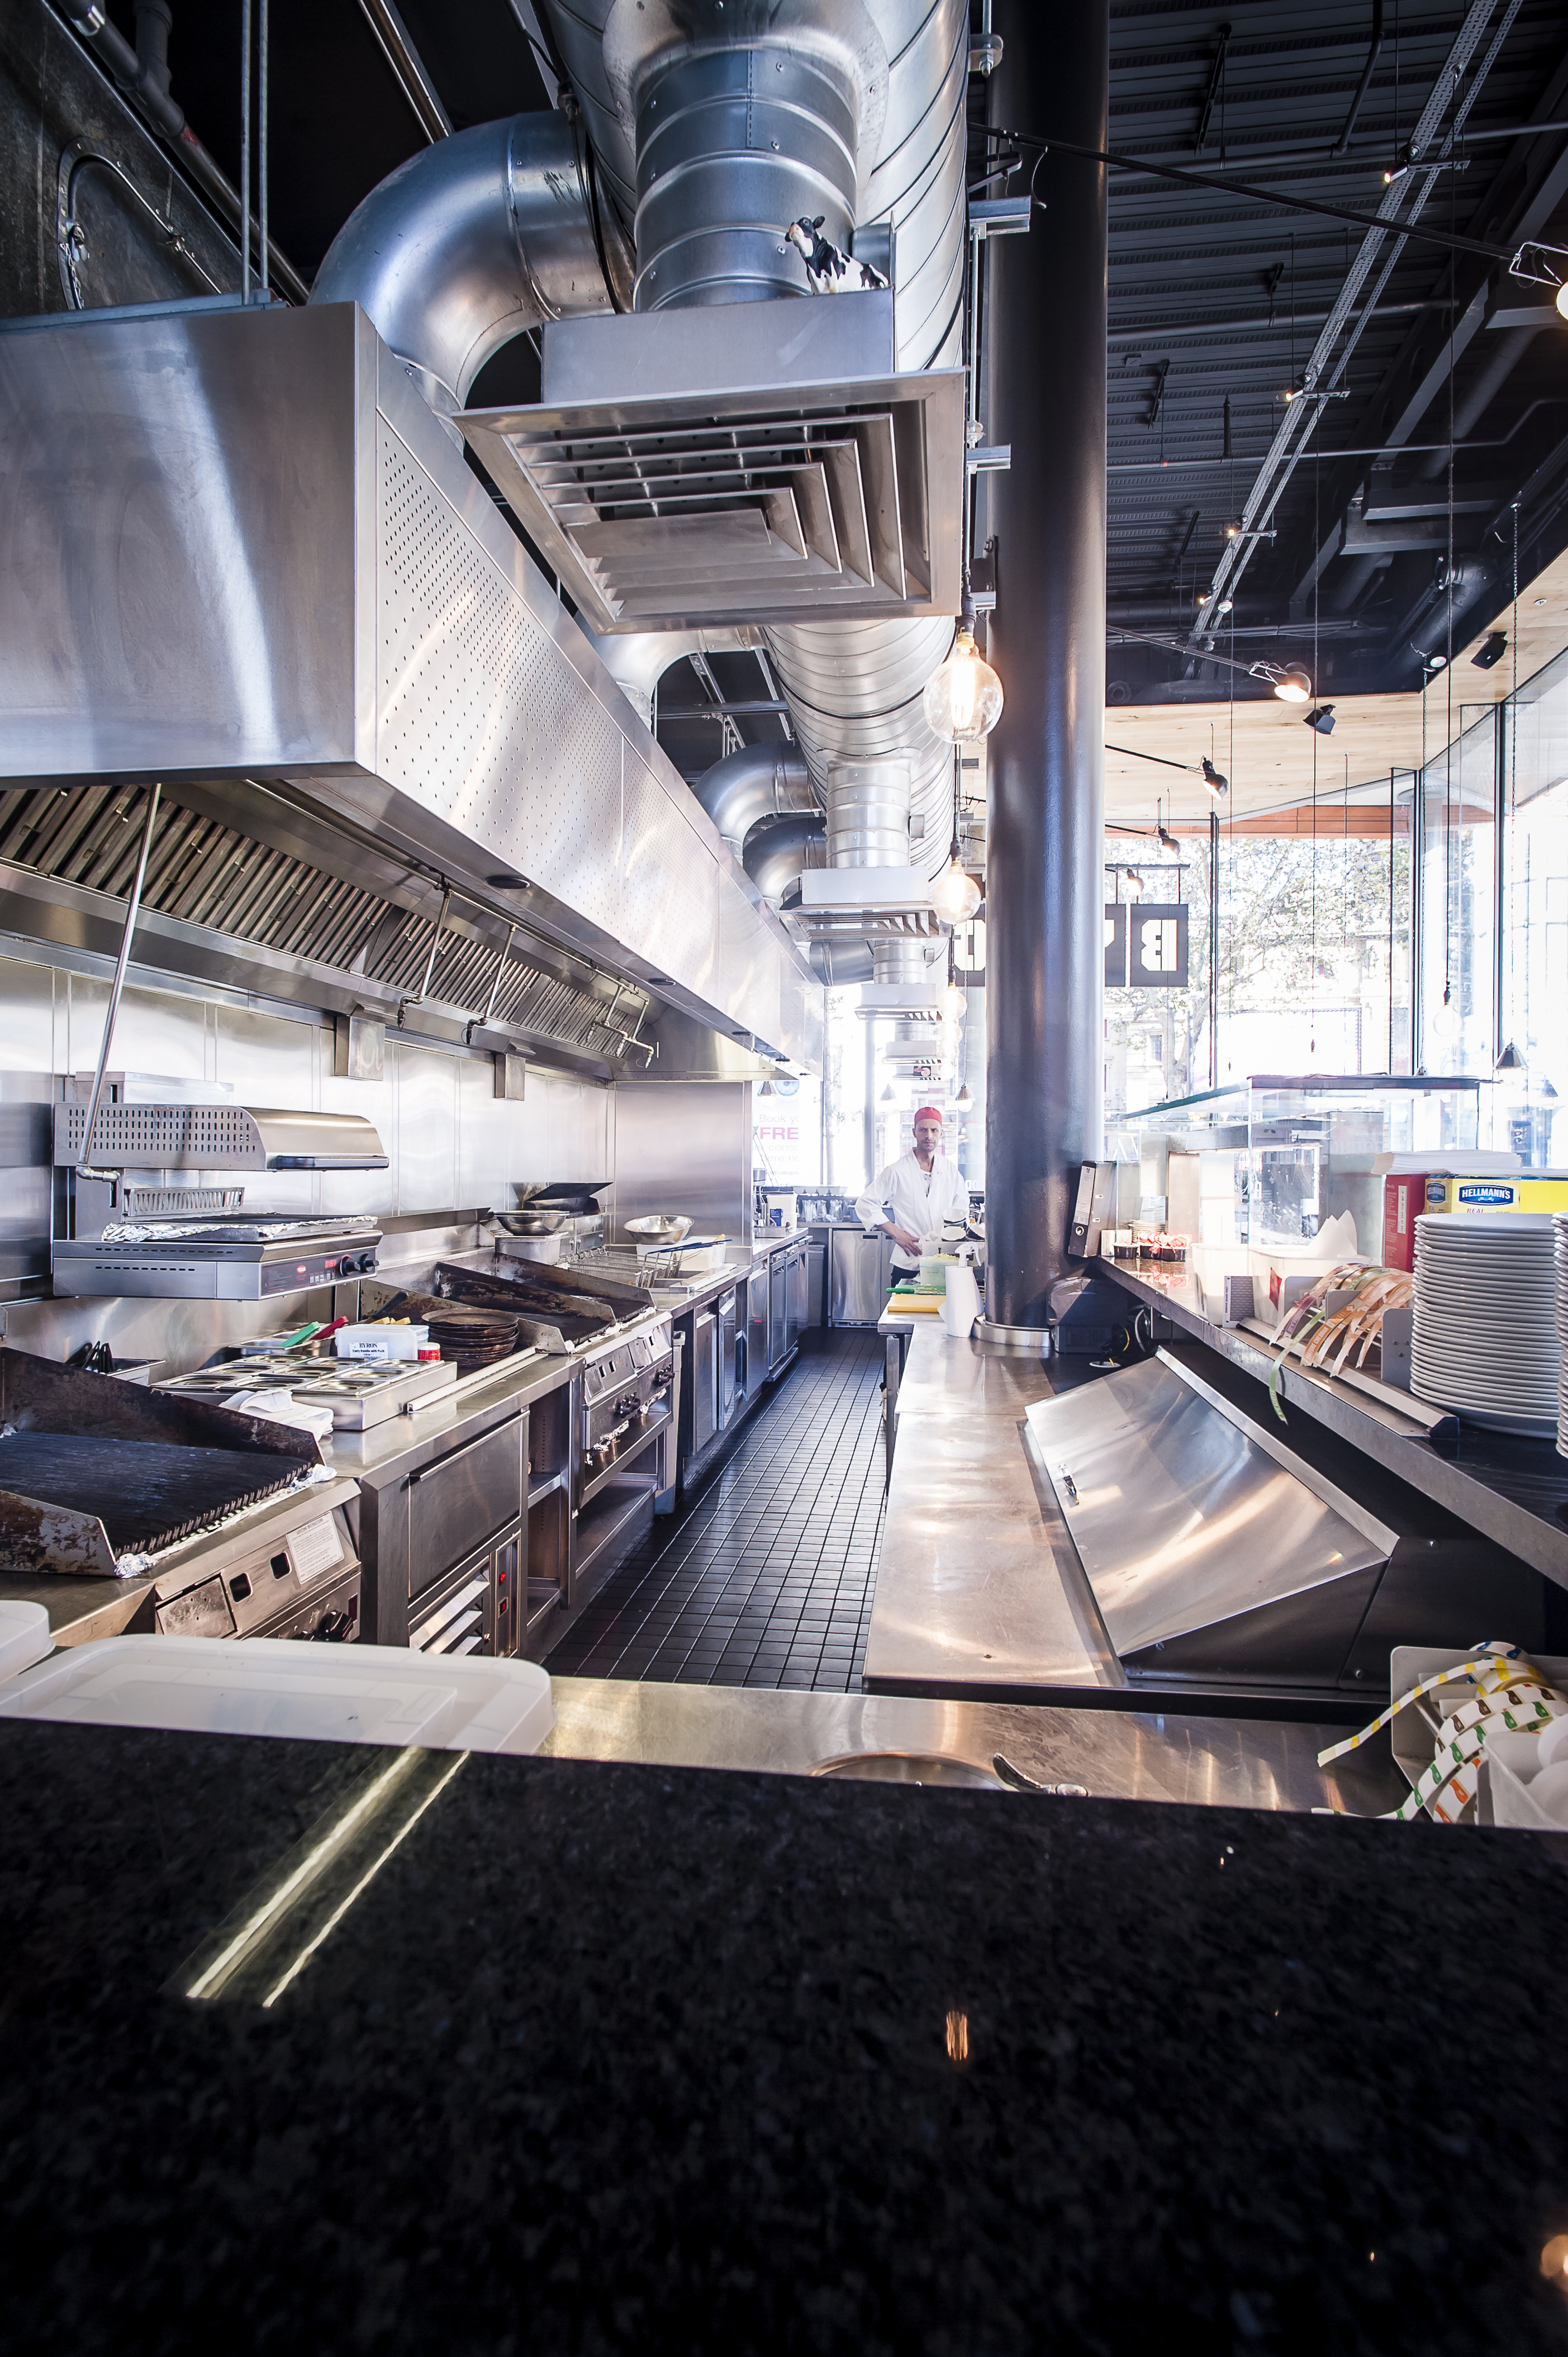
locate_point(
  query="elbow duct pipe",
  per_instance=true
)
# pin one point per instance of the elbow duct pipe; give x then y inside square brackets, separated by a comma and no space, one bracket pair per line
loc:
[638,660]
[714,126]
[748,787]
[776,851]
[468,244]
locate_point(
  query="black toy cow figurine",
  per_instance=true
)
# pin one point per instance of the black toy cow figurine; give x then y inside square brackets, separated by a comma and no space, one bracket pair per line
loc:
[829,271]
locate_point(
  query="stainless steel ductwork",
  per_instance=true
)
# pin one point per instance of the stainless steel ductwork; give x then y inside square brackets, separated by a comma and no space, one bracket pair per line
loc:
[471,243]
[714,126]
[754,784]
[868,814]
[779,850]
[637,660]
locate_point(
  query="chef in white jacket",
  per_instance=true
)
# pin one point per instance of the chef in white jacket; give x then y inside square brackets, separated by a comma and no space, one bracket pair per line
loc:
[914,1196]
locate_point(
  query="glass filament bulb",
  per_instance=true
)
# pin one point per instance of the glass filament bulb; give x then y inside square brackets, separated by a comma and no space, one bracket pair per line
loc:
[962,698]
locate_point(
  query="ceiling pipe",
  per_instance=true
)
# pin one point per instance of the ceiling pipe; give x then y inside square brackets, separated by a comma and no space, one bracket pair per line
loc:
[1511,348]
[469,243]
[874,132]
[1344,139]
[776,851]
[750,787]
[142,73]
[639,660]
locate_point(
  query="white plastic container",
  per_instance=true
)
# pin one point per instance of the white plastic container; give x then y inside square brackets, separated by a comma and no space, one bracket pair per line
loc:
[779,1203]
[380,1343]
[25,1637]
[269,1686]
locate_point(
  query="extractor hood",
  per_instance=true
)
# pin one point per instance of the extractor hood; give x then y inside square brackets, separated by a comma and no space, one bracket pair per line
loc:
[236,548]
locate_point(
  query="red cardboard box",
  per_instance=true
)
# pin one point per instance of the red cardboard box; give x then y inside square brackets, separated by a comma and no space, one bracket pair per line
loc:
[1404,1199]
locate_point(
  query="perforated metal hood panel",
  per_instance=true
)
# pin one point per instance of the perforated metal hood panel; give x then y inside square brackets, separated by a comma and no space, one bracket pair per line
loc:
[237,546]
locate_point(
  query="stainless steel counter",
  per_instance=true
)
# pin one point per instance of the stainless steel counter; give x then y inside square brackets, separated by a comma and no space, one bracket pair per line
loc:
[1117,1754]
[978,1586]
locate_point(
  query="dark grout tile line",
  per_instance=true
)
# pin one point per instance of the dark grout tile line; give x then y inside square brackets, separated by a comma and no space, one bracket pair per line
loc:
[773,1560]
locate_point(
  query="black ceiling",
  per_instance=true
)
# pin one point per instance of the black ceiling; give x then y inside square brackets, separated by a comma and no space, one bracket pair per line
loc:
[1213,296]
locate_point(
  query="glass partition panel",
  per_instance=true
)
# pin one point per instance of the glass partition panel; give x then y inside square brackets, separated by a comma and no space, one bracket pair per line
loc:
[1458,884]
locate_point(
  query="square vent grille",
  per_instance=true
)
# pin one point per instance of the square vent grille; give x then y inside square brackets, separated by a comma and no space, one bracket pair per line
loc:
[677,512]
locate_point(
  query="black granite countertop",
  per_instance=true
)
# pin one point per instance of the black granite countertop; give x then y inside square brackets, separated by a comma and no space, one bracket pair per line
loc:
[627,2059]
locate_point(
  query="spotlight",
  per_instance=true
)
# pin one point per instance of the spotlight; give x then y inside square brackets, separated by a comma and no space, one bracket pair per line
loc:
[1133,885]
[1211,778]
[964,1102]
[1320,717]
[1292,685]
[1398,168]
[1491,650]
[1167,840]
[1431,663]
[1232,532]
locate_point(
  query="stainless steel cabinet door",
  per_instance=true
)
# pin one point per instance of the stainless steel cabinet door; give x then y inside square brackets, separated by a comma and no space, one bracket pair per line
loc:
[778,1309]
[704,1378]
[727,1359]
[858,1274]
[796,1311]
[756,1327]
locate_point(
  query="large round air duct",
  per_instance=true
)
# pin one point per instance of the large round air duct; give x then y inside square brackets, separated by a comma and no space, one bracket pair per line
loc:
[715,125]
[467,244]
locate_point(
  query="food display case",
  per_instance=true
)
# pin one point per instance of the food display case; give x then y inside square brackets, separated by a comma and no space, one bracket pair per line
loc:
[1278,1167]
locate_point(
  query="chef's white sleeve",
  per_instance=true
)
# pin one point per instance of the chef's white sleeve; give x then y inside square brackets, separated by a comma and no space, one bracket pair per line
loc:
[871,1208]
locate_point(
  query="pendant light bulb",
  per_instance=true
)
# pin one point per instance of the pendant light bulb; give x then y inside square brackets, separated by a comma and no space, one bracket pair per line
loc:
[1562,300]
[955,896]
[952,1004]
[962,698]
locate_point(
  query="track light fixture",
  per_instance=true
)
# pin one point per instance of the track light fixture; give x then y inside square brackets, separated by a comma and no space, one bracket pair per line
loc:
[1544,266]
[1492,650]
[1320,717]
[1167,840]
[1218,786]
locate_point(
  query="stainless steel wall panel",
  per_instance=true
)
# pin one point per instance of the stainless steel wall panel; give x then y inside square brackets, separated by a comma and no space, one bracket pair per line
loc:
[485,1129]
[426,1129]
[685,1149]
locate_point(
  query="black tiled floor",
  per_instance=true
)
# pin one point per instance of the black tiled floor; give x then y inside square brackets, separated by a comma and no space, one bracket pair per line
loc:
[765,1577]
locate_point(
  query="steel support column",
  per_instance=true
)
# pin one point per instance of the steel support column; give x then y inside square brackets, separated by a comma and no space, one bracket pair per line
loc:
[1046,395]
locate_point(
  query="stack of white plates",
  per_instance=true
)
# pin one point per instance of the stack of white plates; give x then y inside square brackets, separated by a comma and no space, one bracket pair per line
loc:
[1485,1340]
[1559,1223]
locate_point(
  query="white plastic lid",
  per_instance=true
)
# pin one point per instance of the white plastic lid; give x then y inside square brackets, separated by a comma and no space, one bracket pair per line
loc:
[25,1637]
[277,1686]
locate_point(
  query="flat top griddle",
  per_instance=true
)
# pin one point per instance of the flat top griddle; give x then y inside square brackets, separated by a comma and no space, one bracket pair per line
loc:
[147,1493]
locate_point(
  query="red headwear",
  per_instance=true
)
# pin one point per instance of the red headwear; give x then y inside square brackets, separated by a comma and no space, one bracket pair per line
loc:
[927,1112]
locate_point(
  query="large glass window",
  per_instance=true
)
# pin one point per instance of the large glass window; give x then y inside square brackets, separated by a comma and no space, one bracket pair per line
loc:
[1459,889]
[1313,951]
[1534,963]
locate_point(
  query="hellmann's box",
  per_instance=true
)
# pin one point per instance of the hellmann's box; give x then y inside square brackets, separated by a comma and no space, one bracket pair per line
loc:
[1411,1185]
[1531,1191]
